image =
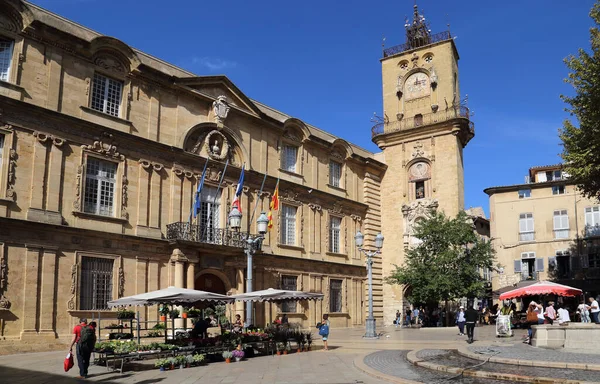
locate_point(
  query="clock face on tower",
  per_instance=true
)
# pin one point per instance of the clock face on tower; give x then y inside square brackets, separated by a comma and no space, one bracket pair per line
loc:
[417,85]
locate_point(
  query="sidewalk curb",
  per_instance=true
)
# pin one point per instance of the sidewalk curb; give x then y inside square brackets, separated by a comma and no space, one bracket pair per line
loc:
[413,359]
[464,351]
[360,365]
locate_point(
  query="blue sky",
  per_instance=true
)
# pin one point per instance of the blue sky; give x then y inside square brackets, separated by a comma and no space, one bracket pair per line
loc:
[319,61]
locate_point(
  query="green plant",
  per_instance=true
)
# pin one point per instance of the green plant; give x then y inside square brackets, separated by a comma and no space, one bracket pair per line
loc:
[180,360]
[154,333]
[198,358]
[227,355]
[280,346]
[163,310]
[173,314]
[162,363]
[172,361]
[158,326]
[309,338]
[123,314]
[194,313]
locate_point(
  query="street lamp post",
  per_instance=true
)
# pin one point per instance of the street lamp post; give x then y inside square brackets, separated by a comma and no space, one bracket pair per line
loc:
[371,330]
[253,243]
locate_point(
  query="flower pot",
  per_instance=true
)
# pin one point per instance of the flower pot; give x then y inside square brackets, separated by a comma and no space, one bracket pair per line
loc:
[299,350]
[187,365]
[278,353]
[237,359]
[285,352]
[162,369]
[228,361]
[172,367]
[163,318]
[184,315]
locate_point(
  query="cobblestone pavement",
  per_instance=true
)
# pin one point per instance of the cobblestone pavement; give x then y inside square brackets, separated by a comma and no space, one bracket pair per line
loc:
[520,351]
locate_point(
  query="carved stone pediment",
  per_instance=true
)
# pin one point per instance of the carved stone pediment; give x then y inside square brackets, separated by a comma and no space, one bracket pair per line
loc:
[220,109]
[110,63]
[413,212]
[105,146]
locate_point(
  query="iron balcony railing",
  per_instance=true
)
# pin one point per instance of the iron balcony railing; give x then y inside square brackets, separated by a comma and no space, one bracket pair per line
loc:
[531,276]
[419,120]
[207,235]
[416,43]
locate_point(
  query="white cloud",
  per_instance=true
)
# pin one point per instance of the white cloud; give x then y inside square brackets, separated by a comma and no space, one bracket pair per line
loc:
[214,63]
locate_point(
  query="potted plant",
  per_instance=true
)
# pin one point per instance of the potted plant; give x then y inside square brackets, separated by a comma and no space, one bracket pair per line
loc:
[174,313]
[198,358]
[193,313]
[123,314]
[287,349]
[184,312]
[162,364]
[280,348]
[227,356]
[181,361]
[309,340]
[238,354]
[299,338]
[172,361]
[164,310]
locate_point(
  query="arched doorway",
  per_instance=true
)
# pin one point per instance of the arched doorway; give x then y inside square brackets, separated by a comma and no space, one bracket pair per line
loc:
[210,283]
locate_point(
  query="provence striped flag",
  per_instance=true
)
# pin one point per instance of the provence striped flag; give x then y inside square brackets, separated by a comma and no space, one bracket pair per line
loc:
[274,205]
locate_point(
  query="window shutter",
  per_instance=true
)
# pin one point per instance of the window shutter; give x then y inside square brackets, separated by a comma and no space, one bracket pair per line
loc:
[541,177]
[539,265]
[517,266]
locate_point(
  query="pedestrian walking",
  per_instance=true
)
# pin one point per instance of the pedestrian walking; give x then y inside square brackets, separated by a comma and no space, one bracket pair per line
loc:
[461,320]
[584,312]
[407,320]
[84,336]
[594,310]
[398,318]
[471,319]
[415,316]
[324,330]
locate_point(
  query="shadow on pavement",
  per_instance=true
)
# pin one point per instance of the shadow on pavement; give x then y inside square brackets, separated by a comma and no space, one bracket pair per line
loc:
[18,376]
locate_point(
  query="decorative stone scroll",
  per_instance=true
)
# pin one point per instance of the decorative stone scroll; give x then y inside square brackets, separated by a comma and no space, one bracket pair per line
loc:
[412,212]
[104,148]
[12,164]
[121,289]
[221,109]
[109,63]
[71,302]
[418,150]
[46,138]
[124,186]
[4,302]
[78,177]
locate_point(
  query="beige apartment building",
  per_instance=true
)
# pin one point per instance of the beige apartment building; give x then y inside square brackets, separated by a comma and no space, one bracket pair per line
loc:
[102,147]
[544,229]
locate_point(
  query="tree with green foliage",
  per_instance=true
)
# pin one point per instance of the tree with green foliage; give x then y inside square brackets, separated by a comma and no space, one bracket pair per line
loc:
[446,264]
[581,145]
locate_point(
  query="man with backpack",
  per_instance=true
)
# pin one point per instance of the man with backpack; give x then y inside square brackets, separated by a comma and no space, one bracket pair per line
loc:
[84,336]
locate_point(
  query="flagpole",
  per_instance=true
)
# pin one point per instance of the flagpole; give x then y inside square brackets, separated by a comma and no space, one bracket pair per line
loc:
[257,200]
[196,193]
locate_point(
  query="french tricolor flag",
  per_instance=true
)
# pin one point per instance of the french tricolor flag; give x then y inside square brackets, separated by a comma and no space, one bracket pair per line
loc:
[238,192]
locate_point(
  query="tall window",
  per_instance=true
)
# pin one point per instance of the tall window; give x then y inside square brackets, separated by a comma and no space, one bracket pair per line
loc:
[335,173]
[561,224]
[106,94]
[100,180]
[289,283]
[209,213]
[335,296]
[526,227]
[6,49]
[334,234]
[420,190]
[592,221]
[558,190]
[594,257]
[524,193]
[289,158]
[96,283]
[288,225]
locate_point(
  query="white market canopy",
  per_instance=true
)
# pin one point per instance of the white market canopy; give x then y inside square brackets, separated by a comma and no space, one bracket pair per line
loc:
[169,295]
[277,295]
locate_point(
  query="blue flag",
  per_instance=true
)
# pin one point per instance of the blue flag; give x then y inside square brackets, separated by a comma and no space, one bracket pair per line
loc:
[196,207]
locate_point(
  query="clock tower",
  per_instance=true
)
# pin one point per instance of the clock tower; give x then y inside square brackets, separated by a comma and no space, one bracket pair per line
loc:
[423,131]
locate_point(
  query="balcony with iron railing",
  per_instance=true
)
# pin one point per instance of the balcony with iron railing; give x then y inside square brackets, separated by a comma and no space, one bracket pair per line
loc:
[417,43]
[184,231]
[530,276]
[405,123]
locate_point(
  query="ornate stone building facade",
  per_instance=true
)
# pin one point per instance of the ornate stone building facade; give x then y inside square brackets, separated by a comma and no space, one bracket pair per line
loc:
[423,131]
[101,150]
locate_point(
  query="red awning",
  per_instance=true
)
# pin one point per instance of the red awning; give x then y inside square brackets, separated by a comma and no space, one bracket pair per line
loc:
[542,288]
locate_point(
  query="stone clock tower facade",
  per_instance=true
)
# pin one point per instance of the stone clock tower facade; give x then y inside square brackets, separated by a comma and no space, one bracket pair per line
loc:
[423,132]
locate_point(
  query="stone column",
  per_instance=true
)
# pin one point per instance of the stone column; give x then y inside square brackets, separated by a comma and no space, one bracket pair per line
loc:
[191,275]
[30,293]
[179,259]
[40,149]
[47,299]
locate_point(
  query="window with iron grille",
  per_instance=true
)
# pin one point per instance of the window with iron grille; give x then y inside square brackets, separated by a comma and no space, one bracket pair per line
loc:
[561,224]
[526,232]
[289,283]
[106,94]
[209,213]
[6,50]
[335,296]
[100,180]
[288,224]
[96,283]
[289,158]
[335,173]
[335,225]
